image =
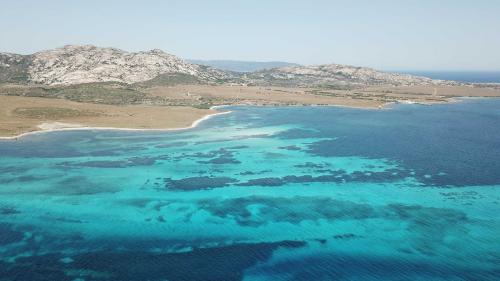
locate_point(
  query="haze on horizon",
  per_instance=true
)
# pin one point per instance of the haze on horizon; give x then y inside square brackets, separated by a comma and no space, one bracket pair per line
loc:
[387,34]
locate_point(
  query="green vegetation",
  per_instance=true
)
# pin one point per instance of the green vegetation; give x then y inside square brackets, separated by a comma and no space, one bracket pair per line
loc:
[113,93]
[340,87]
[14,70]
[102,93]
[52,112]
[203,106]
[170,79]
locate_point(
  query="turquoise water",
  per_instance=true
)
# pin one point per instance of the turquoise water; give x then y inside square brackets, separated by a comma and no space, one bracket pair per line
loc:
[290,193]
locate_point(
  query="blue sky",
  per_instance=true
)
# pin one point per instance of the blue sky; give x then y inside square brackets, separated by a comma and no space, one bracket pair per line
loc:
[385,34]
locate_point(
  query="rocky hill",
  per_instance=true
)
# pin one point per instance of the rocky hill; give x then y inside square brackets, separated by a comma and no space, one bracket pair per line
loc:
[335,75]
[75,64]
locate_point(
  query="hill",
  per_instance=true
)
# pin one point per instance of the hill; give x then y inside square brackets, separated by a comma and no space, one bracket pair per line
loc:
[75,64]
[83,64]
[242,66]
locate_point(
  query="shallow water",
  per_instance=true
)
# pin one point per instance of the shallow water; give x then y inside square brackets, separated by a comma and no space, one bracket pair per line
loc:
[290,193]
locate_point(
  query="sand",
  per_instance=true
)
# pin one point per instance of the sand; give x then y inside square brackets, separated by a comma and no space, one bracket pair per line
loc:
[85,116]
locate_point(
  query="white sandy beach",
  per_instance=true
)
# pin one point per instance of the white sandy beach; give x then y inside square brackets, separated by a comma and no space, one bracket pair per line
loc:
[48,127]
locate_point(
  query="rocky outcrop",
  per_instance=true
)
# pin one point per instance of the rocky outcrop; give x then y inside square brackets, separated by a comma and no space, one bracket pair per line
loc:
[336,74]
[86,64]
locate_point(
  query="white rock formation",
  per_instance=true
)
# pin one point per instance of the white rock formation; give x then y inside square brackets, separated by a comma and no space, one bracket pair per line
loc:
[74,64]
[337,74]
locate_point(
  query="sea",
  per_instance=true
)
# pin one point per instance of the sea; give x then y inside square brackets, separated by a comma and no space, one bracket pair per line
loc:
[461,76]
[410,192]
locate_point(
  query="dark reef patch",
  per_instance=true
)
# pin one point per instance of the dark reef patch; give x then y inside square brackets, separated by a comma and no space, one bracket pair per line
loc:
[251,173]
[144,160]
[138,202]
[21,179]
[234,138]
[345,236]
[79,185]
[221,160]
[172,144]
[274,155]
[219,156]
[292,210]
[129,162]
[334,176]
[290,147]
[264,182]
[417,212]
[14,169]
[311,165]
[238,147]
[96,164]
[198,183]
[217,263]
[429,225]
[8,211]
[69,220]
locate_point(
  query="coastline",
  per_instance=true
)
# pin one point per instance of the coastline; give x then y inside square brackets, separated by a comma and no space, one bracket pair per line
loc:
[49,127]
[53,126]
[77,127]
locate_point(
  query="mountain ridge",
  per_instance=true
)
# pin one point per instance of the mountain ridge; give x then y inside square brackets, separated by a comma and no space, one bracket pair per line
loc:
[80,64]
[339,75]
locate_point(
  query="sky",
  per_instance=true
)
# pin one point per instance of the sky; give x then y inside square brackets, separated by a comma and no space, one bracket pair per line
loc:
[460,35]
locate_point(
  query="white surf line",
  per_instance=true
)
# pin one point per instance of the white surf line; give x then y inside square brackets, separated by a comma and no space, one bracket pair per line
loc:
[78,127]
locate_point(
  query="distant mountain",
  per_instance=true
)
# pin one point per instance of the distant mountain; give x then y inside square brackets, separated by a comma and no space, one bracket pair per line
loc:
[335,75]
[242,66]
[75,64]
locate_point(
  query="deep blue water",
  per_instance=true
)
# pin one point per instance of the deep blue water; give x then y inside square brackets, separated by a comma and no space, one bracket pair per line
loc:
[263,193]
[462,76]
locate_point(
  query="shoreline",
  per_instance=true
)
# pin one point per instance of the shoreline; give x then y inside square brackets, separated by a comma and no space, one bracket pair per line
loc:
[77,127]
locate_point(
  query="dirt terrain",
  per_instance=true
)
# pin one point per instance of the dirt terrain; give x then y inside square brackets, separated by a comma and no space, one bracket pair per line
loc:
[26,108]
[24,114]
